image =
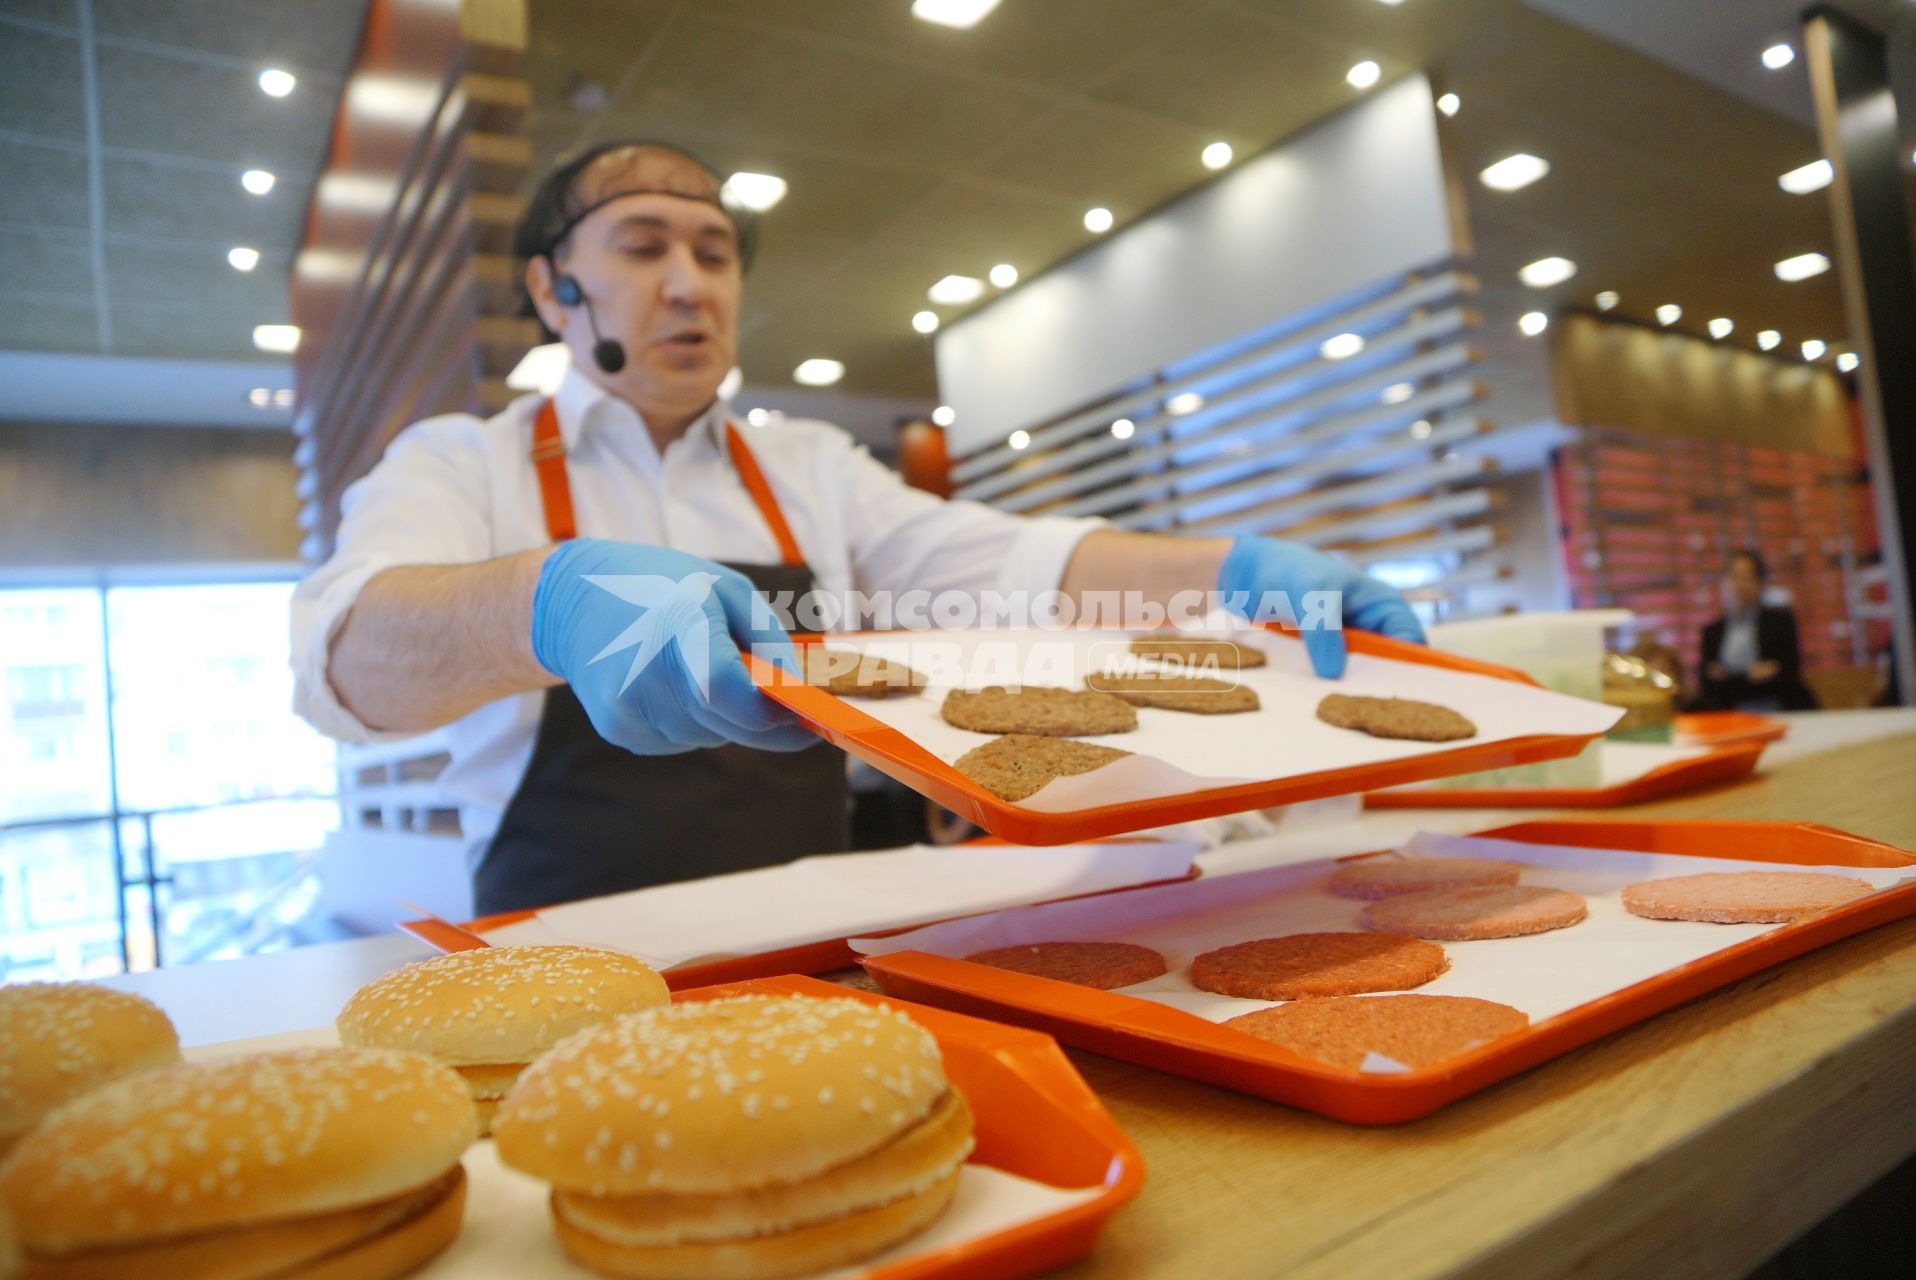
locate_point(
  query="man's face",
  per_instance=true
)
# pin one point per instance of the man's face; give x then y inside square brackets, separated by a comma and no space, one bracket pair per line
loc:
[1746,588]
[662,273]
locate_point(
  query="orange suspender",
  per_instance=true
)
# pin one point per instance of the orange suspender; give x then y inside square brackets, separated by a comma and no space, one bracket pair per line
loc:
[555,488]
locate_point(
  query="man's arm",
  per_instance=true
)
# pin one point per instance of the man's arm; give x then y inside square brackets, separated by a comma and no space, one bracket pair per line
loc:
[425,644]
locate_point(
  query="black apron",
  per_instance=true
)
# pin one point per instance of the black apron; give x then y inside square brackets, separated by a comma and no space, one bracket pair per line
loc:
[590,818]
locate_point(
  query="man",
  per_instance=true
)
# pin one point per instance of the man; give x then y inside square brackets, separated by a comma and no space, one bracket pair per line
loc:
[459,595]
[1751,659]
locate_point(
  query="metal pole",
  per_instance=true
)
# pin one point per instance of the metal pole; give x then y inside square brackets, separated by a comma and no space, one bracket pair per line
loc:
[113,778]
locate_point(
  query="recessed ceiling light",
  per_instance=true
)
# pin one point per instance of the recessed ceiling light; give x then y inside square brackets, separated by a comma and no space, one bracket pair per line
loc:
[260,398]
[1004,275]
[1392,3]
[1669,313]
[1123,428]
[1341,346]
[755,191]
[1802,267]
[1607,300]
[1097,220]
[1019,439]
[1722,327]
[1848,361]
[1184,402]
[1778,56]
[944,415]
[257,181]
[1420,428]
[1769,340]
[758,417]
[1813,176]
[952,13]
[1814,348]
[925,321]
[1398,392]
[283,398]
[276,337]
[1533,323]
[1513,173]
[275,83]
[1449,103]
[1545,272]
[956,290]
[1364,74]
[818,372]
[241,258]
[1217,155]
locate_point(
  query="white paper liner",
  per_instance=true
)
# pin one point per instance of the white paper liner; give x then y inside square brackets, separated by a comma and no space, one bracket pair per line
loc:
[822,898]
[508,1223]
[1189,752]
[1541,974]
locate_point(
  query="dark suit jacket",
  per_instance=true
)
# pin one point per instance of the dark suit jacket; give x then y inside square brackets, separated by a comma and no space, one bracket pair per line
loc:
[1775,641]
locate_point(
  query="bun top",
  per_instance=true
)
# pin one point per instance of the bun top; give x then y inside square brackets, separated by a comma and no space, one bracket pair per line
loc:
[59,1040]
[497,1004]
[235,1141]
[719,1096]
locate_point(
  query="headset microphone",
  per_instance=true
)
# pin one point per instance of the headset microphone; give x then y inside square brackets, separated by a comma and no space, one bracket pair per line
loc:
[607,353]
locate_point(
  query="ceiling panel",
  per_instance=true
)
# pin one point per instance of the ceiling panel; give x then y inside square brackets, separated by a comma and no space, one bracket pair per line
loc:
[50,261]
[313,37]
[57,12]
[174,272]
[189,329]
[34,322]
[40,85]
[159,104]
[156,199]
[44,185]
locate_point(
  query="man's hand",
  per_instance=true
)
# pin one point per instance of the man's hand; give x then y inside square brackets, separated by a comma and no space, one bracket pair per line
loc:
[649,639]
[1257,565]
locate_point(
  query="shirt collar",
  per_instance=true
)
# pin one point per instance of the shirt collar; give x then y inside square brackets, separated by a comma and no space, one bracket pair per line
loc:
[584,405]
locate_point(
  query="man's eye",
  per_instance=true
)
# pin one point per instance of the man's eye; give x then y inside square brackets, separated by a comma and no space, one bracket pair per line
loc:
[716,259]
[643,250]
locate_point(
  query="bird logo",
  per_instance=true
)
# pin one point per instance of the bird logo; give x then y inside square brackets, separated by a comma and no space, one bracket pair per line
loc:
[672,611]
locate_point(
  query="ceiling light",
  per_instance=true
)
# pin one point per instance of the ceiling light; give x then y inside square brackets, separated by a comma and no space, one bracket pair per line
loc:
[1533,323]
[1019,439]
[1004,275]
[541,369]
[1449,103]
[1545,272]
[1392,3]
[1364,74]
[944,415]
[1097,220]
[1722,327]
[758,417]
[275,83]
[1813,176]
[1607,300]
[1184,402]
[952,13]
[283,398]
[1123,428]
[1217,155]
[1512,173]
[1420,428]
[1341,347]
[1398,392]
[1802,267]
[818,372]
[276,337]
[1769,339]
[241,258]
[1669,313]
[260,398]
[956,290]
[1848,361]
[755,191]
[1814,348]
[925,321]
[257,181]
[1778,56]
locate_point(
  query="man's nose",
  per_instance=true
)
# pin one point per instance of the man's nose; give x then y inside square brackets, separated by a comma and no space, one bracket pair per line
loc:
[683,282]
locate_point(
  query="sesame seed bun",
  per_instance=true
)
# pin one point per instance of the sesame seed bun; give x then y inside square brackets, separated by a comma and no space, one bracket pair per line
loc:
[59,1040]
[236,1143]
[719,1096]
[496,1005]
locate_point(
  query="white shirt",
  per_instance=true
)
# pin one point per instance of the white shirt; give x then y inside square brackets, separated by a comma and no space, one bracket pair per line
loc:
[459,489]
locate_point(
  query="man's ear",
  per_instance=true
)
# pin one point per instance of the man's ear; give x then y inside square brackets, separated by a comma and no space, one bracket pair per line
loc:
[539,289]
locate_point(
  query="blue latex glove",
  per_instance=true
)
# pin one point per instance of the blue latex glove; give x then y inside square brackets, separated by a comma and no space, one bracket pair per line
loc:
[1258,565]
[637,630]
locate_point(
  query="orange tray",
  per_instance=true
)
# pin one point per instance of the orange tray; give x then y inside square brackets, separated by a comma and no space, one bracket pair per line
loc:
[1035,1117]
[1725,764]
[812,957]
[1721,728]
[1184,1044]
[891,752]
